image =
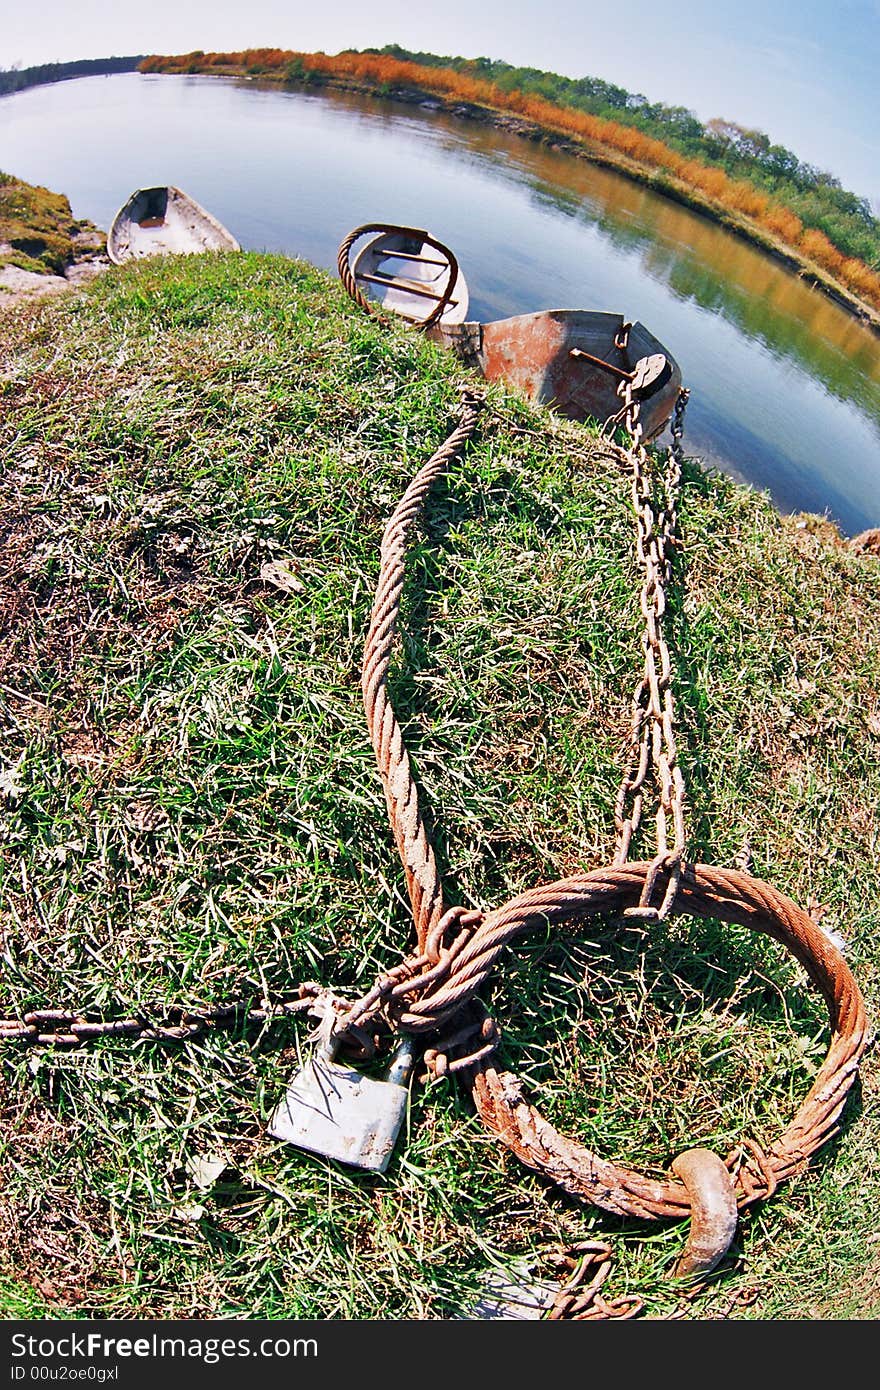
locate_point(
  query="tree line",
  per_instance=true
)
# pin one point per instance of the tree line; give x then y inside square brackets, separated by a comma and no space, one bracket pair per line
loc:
[814,195]
[15,79]
[738,174]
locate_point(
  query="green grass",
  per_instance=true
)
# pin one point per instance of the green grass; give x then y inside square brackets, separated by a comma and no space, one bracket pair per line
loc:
[162,437]
[37,225]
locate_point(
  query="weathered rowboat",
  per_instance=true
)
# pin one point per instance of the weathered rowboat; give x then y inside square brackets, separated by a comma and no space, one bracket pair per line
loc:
[408,272]
[572,360]
[164,222]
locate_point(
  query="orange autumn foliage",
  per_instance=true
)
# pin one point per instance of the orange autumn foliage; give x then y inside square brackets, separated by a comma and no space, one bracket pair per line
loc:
[380,70]
[860,278]
[816,245]
[784,223]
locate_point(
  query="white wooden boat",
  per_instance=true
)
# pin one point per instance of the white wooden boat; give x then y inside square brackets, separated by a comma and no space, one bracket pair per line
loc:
[408,272]
[164,222]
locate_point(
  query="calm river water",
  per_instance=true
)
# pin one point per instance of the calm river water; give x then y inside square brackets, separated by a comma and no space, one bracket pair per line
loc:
[785,385]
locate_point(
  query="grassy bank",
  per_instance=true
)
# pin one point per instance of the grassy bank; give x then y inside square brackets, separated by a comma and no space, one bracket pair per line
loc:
[192,810]
[748,210]
[36,226]
[38,231]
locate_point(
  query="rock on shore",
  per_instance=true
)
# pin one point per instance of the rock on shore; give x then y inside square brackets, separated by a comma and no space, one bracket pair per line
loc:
[89,259]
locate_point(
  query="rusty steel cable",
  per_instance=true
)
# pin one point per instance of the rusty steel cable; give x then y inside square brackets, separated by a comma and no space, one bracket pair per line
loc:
[401,793]
[725,895]
[457,949]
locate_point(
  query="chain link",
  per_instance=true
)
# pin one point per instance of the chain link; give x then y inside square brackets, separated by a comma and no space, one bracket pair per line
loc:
[586,1266]
[652,733]
[653,745]
[68,1028]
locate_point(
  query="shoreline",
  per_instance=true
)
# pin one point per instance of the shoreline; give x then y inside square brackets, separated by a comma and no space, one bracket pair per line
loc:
[666,185]
[663,184]
[88,261]
[44,249]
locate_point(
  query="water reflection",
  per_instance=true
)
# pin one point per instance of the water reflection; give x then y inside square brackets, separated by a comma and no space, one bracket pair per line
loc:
[703,262]
[786,384]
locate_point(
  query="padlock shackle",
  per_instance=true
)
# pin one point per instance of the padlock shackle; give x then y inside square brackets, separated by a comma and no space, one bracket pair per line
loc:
[402,1062]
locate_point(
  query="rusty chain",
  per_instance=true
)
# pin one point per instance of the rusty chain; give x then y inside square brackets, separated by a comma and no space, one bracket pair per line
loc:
[72,1028]
[585,1267]
[655,503]
[457,948]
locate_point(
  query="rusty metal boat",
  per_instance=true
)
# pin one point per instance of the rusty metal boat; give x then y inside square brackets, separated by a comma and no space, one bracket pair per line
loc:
[164,222]
[572,360]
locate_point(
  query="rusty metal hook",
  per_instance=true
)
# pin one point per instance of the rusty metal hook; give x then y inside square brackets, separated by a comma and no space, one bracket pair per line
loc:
[713,1211]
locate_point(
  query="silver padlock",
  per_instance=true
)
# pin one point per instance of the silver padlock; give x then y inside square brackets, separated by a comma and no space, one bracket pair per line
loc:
[333,1110]
[518,1296]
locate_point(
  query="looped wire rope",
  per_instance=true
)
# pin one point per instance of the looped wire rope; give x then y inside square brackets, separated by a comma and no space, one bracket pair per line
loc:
[458,948]
[353,289]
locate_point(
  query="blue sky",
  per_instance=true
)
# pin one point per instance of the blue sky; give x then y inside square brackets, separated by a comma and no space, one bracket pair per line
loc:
[802,70]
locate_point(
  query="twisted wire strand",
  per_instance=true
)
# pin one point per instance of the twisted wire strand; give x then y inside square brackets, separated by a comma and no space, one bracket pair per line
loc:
[458,950]
[401,793]
[353,289]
